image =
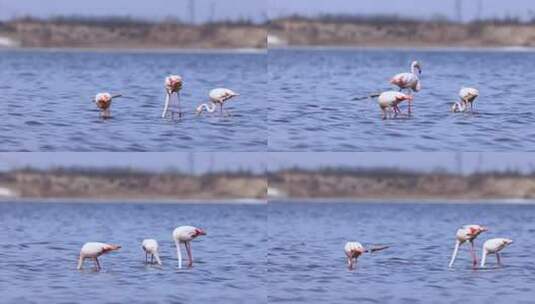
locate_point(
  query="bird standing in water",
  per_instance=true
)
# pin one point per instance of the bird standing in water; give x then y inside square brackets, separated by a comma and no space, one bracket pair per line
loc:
[494,246]
[390,100]
[354,249]
[468,96]
[150,246]
[103,102]
[184,235]
[409,81]
[173,85]
[467,233]
[93,250]
[217,97]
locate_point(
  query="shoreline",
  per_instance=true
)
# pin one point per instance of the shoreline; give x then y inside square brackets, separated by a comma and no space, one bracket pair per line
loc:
[496,49]
[423,201]
[169,201]
[253,51]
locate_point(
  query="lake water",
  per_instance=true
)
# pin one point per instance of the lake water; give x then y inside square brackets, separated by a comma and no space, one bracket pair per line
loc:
[307,263]
[46,101]
[311,107]
[41,242]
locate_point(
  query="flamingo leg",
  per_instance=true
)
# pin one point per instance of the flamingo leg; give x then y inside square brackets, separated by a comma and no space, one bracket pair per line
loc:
[98,264]
[473,253]
[350,263]
[498,258]
[384,114]
[146,257]
[190,257]
[152,258]
[178,105]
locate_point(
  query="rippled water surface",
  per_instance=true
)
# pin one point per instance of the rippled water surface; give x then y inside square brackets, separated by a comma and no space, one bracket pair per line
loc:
[307,262]
[46,103]
[40,244]
[311,108]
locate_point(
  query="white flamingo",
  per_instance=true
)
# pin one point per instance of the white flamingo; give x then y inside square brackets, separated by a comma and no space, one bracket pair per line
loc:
[103,102]
[409,81]
[468,96]
[93,250]
[217,97]
[390,100]
[494,246]
[173,85]
[150,246]
[184,235]
[467,233]
[354,249]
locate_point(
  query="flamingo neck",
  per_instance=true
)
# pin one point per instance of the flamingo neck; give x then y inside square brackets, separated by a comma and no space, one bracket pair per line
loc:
[207,107]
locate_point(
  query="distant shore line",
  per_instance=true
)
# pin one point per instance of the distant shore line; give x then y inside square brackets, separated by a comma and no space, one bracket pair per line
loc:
[423,201]
[139,50]
[264,51]
[167,201]
[497,49]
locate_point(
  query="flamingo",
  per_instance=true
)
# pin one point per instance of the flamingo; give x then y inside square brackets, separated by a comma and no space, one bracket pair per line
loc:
[409,81]
[93,250]
[494,246]
[173,85]
[216,96]
[150,246]
[467,233]
[467,95]
[391,99]
[185,234]
[103,102]
[354,249]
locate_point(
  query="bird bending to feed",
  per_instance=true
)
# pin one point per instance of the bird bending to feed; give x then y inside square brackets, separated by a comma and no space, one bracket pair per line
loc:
[103,102]
[93,250]
[184,235]
[354,249]
[390,100]
[409,81]
[494,246]
[467,95]
[173,85]
[150,246]
[217,97]
[467,233]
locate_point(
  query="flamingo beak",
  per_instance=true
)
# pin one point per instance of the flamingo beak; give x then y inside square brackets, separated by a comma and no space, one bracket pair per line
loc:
[201,232]
[483,229]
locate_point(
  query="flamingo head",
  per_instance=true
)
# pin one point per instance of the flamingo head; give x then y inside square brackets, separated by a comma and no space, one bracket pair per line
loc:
[199,231]
[483,229]
[110,247]
[173,83]
[507,241]
[415,65]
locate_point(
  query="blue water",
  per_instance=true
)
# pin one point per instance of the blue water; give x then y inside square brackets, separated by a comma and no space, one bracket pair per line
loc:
[306,259]
[310,106]
[41,241]
[45,101]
